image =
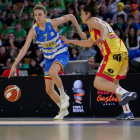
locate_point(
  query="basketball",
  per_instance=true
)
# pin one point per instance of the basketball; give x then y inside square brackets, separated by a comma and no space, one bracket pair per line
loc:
[12,93]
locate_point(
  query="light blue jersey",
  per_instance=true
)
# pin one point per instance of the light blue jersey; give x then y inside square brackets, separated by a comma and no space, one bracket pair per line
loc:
[48,42]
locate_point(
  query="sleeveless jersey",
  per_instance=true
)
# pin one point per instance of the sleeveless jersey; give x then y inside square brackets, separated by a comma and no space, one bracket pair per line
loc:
[48,42]
[112,43]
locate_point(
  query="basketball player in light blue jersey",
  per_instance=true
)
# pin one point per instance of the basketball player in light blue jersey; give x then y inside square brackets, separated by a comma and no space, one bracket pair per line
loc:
[45,34]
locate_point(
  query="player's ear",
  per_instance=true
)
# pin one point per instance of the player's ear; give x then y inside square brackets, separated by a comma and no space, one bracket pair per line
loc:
[45,14]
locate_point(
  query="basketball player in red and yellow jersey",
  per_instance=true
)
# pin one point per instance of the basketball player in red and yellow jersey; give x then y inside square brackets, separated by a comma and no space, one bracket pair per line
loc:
[115,57]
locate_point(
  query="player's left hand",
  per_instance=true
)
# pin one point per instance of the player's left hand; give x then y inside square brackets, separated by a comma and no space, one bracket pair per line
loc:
[83,35]
[99,40]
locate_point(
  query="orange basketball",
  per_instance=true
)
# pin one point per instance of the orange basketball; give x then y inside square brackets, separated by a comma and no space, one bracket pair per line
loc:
[12,93]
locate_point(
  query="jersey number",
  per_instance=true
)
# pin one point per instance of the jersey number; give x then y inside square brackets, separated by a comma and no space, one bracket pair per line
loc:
[45,36]
[110,30]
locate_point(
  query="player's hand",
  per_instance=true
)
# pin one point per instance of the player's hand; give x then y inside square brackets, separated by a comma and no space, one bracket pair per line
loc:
[63,38]
[83,35]
[99,40]
[12,71]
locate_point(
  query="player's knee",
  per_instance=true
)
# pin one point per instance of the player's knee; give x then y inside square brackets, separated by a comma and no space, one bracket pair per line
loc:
[48,90]
[52,73]
[96,85]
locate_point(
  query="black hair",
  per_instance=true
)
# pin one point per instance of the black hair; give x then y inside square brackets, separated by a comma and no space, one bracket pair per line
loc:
[131,16]
[134,38]
[37,63]
[92,8]
[76,35]
[18,22]
[8,22]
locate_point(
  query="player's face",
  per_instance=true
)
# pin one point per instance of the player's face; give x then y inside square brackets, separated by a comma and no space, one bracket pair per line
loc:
[84,17]
[39,16]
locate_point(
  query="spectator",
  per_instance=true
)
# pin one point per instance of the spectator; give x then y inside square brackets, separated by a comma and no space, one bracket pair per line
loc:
[92,63]
[133,41]
[118,32]
[70,10]
[7,72]
[6,31]
[12,54]
[75,7]
[7,3]
[86,53]
[131,23]
[14,10]
[26,22]
[105,14]
[135,12]
[3,55]
[59,4]
[35,2]
[77,37]
[79,14]
[62,29]
[21,65]
[11,44]
[102,2]
[112,6]
[74,52]
[39,56]
[45,3]
[120,11]
[19,33]
[120,22]
[71,30]
[13,19]
[25,8]
[3,11]
[7,64]
[34,63]
[54,13]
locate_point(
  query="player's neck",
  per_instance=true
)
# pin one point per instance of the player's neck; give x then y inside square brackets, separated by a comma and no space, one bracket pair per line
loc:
[42,25]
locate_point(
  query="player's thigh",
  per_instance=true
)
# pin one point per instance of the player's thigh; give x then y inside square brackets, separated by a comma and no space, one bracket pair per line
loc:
[108,68]
[124,67]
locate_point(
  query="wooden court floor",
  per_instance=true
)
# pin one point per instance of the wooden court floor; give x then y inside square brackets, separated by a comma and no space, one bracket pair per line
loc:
[69,129]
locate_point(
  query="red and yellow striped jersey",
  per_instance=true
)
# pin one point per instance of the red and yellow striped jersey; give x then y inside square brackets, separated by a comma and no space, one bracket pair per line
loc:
[112,43]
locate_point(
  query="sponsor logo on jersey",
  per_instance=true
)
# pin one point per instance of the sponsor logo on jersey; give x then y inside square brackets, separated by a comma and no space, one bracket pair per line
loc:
[48,45]
[52,33]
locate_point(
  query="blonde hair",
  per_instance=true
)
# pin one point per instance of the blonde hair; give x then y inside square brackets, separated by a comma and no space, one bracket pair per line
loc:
[39,6]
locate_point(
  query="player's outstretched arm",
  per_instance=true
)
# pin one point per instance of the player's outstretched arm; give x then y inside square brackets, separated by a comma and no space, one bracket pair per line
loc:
[82,43]
[22,52]
[69,17]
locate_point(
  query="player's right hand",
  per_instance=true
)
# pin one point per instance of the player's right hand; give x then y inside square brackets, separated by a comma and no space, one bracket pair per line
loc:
[63,38]
[12,71]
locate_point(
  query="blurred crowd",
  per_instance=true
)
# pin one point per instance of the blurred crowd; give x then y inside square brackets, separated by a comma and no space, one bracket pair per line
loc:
[17,17]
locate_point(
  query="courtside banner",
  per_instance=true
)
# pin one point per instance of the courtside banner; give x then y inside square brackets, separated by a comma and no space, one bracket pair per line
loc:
[85,100]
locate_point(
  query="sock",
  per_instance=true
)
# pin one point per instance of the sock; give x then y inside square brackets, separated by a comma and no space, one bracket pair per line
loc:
[59,104]
[61,90]
[126,108]
[120,90]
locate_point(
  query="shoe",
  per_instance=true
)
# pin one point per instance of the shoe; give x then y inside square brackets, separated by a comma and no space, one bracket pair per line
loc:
[126,97]
[61,114]
[125,116]
[64,101]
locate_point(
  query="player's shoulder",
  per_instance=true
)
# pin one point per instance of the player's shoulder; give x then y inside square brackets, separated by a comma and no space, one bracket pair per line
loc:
[94,20]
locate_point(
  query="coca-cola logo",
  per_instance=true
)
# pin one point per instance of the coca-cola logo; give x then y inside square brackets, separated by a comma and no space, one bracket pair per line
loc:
[105,96]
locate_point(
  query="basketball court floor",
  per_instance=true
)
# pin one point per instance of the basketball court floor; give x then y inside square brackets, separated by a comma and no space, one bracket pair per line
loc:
[69,129]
